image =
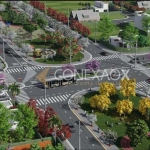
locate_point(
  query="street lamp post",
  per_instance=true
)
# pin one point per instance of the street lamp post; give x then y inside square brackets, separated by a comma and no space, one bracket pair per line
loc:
[135,53]
[70,51]
[3,50]
[44,82]
[95,29]
[79,137]
[68,17]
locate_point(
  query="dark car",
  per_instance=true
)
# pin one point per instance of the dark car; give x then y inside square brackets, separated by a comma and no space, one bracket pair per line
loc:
[148,80]
[8,51]
[71,126]
[104,53]
[137,60]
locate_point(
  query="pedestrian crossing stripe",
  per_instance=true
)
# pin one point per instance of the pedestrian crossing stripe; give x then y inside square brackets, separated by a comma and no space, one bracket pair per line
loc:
[142,84]
[54,99]
[21,69]
[106,57]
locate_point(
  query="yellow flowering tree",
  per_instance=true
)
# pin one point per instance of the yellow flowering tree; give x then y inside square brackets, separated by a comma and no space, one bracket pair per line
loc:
[124,107]
[128,87]
[144,106]
[101,102]
[107,89]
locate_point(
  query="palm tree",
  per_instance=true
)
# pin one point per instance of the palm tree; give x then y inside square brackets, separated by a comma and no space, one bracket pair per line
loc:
[14,88]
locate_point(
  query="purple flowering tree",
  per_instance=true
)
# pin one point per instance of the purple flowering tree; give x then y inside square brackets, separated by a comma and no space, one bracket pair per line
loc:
[68,67]
[2,78]
[92,65]
[148,56]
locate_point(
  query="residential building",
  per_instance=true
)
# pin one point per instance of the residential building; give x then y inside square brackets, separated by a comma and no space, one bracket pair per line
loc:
[101,6]
[145,4]
[85,15]
[139,15]
[117,42]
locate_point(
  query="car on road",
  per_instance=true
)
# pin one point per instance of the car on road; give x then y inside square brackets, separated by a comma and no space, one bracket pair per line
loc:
[116,74]
[137,60]
[104,53]
[8,51]
[71,126]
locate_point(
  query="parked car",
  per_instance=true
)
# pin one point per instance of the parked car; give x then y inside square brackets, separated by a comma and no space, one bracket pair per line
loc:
[8,51]
[71,126]
[104,53]
[137,60]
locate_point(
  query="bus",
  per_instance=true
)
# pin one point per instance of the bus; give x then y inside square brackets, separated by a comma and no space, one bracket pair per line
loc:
[60,80]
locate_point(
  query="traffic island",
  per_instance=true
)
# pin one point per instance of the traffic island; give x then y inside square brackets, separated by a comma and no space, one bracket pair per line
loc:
[108,119]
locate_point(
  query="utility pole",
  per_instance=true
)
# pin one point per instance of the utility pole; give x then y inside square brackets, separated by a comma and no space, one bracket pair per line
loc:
[135,53]
[3,49]
[68,17]
[79,137]
[70,50]
[44,81]
[121,6]
[95,30]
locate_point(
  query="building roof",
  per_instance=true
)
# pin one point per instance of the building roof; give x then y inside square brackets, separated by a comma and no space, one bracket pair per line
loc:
[86,15]
[145,4]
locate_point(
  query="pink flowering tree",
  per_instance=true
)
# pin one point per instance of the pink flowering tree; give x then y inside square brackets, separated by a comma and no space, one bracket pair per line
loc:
[92,65]
[148,56]
[67,68]
[2,78]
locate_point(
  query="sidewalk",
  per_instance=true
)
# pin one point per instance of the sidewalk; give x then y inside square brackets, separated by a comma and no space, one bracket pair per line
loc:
[80,115]
[114,52]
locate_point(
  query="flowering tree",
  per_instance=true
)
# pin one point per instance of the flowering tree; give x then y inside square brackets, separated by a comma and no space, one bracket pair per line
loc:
[68,68]
[12,34]
[26,48]
[2,78]
[92,65]
[92,118]
[2,25]
[2,7]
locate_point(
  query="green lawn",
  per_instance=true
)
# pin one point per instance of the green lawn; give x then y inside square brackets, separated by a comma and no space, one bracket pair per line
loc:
[62,6]
[74,59]
[1,86]
[113,117]
[112,15]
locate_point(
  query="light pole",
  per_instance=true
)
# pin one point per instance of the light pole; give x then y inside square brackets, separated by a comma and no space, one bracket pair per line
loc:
[44,81]
[121,6]
[3,50]
[136,38]
[70,51]
[79,137]
[68,17]
[95,29]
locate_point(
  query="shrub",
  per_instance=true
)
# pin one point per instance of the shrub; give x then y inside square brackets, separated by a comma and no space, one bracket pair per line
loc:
[143,41]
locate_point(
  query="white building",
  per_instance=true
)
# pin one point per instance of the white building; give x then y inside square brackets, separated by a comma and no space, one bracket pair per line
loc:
[117,42]
[101,6]
[139,15]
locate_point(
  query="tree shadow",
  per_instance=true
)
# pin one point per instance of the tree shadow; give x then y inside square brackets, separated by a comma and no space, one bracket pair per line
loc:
[118,141]
[114,98]
[112,112]
[81,123]
[65,106]
[92,140]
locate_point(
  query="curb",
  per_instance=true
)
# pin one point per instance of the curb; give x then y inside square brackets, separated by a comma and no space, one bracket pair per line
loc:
[4,63]
[72,148]
[104,146]
[50,65]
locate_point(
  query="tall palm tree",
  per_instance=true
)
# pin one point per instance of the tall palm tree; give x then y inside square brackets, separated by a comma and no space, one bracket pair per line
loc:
[14,89]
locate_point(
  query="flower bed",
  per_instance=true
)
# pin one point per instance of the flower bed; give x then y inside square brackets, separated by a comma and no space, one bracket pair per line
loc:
[27,146]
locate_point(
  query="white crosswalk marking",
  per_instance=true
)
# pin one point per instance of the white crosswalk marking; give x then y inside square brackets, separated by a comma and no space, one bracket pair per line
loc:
[54,99]
[142,84]
[22,97]
[21,69]
[106,57]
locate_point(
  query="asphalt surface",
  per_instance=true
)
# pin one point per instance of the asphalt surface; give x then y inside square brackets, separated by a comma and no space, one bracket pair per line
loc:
[58,97]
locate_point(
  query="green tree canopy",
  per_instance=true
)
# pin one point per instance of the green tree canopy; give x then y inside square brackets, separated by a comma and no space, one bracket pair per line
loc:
[130,34]
[12,16]
[35,146]
[5,117]
[106,26]
[143,41]
[59,147]
[22,18]
[49,147]
[137,132]
[27,121]
[146,23]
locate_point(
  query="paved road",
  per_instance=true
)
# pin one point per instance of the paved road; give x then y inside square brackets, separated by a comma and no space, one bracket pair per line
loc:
[59,96]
